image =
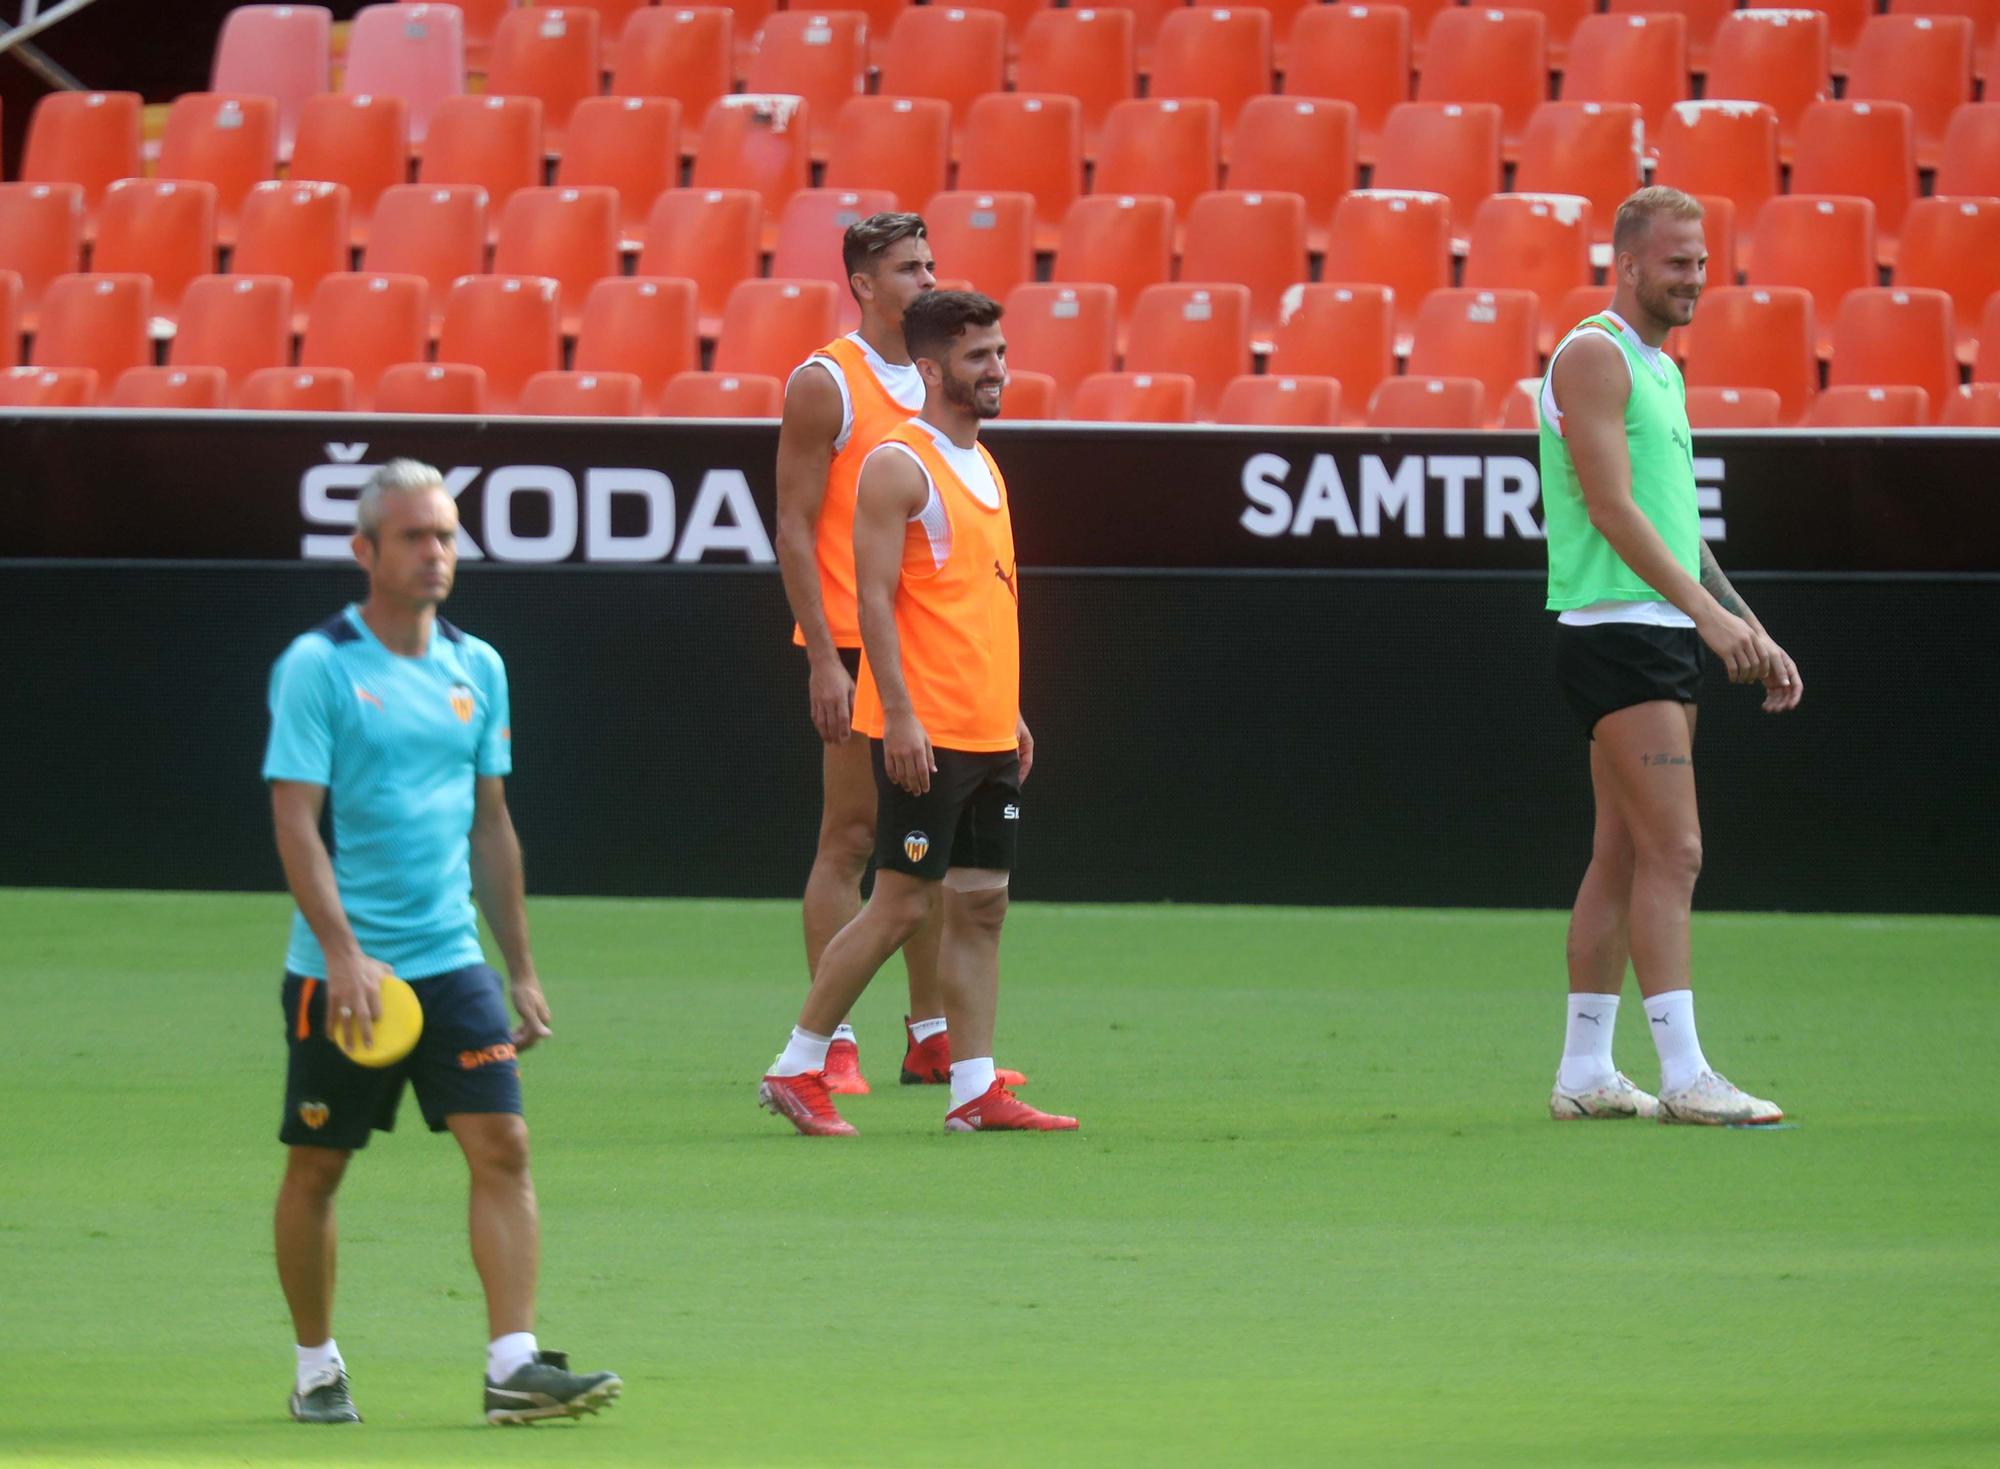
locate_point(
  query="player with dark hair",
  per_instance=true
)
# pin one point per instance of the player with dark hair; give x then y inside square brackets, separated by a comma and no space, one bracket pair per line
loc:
[1639,594]
[939,699]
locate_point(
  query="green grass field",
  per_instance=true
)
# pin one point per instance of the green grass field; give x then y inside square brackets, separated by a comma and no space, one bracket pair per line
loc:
[1317,1214]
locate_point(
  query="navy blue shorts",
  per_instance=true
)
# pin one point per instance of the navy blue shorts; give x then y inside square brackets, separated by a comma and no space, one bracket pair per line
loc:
[464,1062]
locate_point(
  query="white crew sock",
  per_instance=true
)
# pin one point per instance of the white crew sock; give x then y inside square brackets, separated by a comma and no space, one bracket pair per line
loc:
[803,1052]
[923,1030]
[1586,1058]
[1670,1017]
[970,1079]
[317,1363]
[845,1032]
[506,1355]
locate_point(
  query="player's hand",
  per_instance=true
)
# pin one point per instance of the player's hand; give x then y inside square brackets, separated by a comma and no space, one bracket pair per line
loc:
[831,690]
[906,752]
[354,998]
[1783,688]
[1745,652]
[533,1010]
[1026,742]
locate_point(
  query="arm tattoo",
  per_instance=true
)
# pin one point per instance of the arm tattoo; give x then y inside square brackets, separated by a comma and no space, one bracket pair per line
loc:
[1717,585]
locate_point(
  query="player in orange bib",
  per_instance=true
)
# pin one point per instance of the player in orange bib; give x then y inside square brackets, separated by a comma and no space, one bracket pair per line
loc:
[939,698]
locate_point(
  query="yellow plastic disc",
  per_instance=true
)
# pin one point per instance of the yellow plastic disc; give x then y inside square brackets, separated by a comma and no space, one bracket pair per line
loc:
[396,1032]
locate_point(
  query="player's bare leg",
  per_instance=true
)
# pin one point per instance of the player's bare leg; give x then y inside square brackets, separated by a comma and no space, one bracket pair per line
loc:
[975,911]
[505,1224]
[306,1245]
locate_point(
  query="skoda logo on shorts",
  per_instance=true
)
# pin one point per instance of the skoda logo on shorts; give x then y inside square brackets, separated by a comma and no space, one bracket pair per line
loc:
[915,845]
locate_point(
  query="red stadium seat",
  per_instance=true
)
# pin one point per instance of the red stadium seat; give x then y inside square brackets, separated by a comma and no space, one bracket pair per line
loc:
[1539,243]
[10,319]
[1724,148]
[809,240]
[1394,238]
[48,387]
[757,142]
[1756,337]
[771,326]
[1521,406]
[988,239]
[1221,54]
[1443,403]
[170,388]
[1148,16]
[1855,406]
[1586,301]
[1630,58]
[295,230]
[432,387]
[161,228]
[1560,20]
[642,325]
[1030,143]
[1730,408]
[1975,406]
[1202,331]
[1299,145]
[223,139]
[492,141]
[723,395]
[569,236]
[1423,14]
[1168,146]
[482,21]
[818,55]
[1970,162]
[1899,335]
[1487,335]
[1343,332]
[434,232]
[1358,54]
[360,141]
[948,54]
[413,52]
[1065,332]
[1953,245]
[1924,61]
[1777,57]
[281,51]
[708,236]
[1446,148]
[1134,397]
[553,54]
[83,138]
[366,323]
[582,395]
[1591,149]
[41,237]
[1086,54]
[1986,365]
[1030,396]
[1496,56]
[1718,228]
[1824,244]
[237,324]
[507,324]
[1253,239]
[631,145]
[1123,241]
[901,145]
[297,390]
[1844,20]
[1281,402]
[1861,149]
[1984,15]
[684,52]
[1704,18]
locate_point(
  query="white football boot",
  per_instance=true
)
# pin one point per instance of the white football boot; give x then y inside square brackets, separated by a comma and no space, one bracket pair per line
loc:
[1712,1100]
[1607,1101]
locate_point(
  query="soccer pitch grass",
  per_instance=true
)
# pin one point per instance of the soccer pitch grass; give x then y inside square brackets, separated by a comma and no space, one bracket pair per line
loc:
[1317,1213]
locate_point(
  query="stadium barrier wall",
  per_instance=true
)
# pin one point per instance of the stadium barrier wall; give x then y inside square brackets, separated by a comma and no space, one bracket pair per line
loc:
[1261,666]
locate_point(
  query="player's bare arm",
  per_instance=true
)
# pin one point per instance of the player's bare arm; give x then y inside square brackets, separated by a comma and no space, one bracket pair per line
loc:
[1593,384]
[1783,688]
[805,453]
[892,490]
[1025,742]
[353,980]
[500,885]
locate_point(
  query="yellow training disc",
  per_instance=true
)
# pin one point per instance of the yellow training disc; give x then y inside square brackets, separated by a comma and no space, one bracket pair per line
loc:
[396,1032]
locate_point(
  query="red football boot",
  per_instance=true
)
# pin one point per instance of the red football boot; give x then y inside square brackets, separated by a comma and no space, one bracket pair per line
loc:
[928,1062]
[843,1070]
[803,1101]
[998,1110]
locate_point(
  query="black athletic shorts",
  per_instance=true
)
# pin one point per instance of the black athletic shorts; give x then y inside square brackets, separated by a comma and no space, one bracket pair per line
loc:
[850,659]
[464,1062]
[1613,665]
[970,817]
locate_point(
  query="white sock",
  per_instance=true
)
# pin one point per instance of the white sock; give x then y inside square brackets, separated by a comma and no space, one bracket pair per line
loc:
[803,1052]
[845,1032]
[1670,1017]
[970,1079]
[1586,1058]
[315,1363]
[506,1355]
[923,1030]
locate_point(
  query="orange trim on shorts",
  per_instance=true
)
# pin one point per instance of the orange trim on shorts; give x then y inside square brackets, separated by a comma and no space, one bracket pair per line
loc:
[305,1007]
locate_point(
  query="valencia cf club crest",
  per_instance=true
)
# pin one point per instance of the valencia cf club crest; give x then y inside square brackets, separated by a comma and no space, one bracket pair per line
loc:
[461,702]
[915,845]
[314,1114]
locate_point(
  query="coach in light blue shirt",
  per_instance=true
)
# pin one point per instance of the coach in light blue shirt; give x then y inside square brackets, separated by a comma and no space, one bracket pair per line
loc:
[401,721]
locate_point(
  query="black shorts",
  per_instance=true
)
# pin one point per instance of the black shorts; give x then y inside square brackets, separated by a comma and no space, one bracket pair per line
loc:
[1613,665]
[850,659]
[464,1062]
[970,817]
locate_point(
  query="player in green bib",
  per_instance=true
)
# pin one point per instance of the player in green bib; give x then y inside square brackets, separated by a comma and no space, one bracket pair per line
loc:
[1638,594]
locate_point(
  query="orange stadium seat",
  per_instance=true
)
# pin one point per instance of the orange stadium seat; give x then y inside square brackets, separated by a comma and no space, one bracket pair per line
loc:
[1852,405]
[1447,148]
[366,323]
[41,237]
[437,233]
[1953,245]
[1986,365]
[492,141]
[1125,241]
[48,387]
[582,395]
[481,20]
[684,52]
[1585,301]
[297,390]
[1535,242]
[642,325]
[160,228]
[1727,408]
[708,236]
[1861,149]
[1422,14]
[771,326]
[1358,54]
[613,16]
[881,17]
[1281,402]
[988,239]
[1200,330]
[809,240]
[1984,15]
[1488,335]
[83,138]
[1134,397]
[96,321]
[723,395]
[1147,18]
[568,235]
[1025,142]
[360,141]
[1756,337]
[1718,227]
[432,387]
[1169,146]
[170,387]
[228,140]
[1560,19]
[949,54]
[236,324]
[1497,56]
[818,55]
[1974,406]
[1030,395]
[1086,54]
[1395,238]
[898,144]
[631,145]
[755,141]
[1922,60]
[296,230]
[1017,14]
[416,52]
[1339,331]
[1300,145]
[10,318]
[1428,402]
[1520,406]
[1630,58]
[1065,332]
[747,19]
[1896,335]
[1591,149]
[1844,19]
[1256,240]
[551,53]
[283,52]
[1221,54]
[1824,244]
[1970,161]
[510,325]
[1704,18]
[1721,147]
[1777,57]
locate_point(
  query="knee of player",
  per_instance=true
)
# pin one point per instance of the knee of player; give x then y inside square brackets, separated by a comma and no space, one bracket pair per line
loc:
[316,1170]
[499,1148]
[848,839]
[1677,854]
[978,899]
